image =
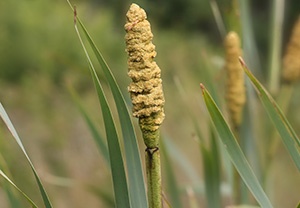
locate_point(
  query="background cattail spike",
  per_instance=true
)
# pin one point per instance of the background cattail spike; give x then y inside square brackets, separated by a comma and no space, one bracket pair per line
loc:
[235,91]
[291,60]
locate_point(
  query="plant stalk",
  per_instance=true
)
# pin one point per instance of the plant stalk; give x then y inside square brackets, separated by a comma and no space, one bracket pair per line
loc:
[153,169]
[237,190]
[237,194]
[146,94]
[275,47]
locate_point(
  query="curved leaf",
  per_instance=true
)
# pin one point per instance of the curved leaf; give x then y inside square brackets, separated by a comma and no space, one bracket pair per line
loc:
[137,188]
[234,151]
[287,133]
[18,189]
[134,167]
[13,131]
[115,156]
[91,125]
[171,183]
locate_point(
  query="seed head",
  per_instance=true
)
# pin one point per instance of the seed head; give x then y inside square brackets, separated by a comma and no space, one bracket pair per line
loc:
[235,94]
[291,59]
[146,87]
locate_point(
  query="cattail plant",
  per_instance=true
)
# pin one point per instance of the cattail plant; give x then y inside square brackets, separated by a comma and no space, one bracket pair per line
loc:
[235,93]
[235,89]
[291,60]
[146,94]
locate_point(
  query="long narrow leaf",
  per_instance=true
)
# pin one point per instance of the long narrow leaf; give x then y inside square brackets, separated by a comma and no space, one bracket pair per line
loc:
[17,188]
[288,135]
[13,199]
[215,159]
[208,176]
[218,18]
[236,155]
[171,183]
[116,160]
[250,49]
[182,161]
[211,167]
[276,33]
[117,165]
[13,131]
[134,168]
[96,135]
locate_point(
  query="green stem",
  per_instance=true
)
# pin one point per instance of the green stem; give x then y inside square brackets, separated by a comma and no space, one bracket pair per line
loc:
[150,131]
[275,46]
[237,196]
[153,177]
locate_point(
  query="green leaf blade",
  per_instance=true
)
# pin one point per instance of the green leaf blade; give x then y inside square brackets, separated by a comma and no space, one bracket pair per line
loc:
[137,188]
[171,183]
[212,194]
[116,160]
[236,155]
[287,133]
[13,131]
[17,188]
[91,125]
[115,155]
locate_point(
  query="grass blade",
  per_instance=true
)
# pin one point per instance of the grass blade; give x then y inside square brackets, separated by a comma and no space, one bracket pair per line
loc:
[182,161]
[96,135]
[115,156]
[209,180]
[117,165]
[13,131]
[276,45]
[211,166]
[218,18]
[215,159]
[17,188]
[236,155]
[250,49]
[287,133]
[172,185]
[13,199]
[134,168]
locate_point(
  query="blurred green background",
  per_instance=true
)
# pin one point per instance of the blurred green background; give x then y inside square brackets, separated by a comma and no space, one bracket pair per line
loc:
[40,57]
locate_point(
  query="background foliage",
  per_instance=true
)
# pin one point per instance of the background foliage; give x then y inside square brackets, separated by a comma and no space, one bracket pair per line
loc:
[40,56]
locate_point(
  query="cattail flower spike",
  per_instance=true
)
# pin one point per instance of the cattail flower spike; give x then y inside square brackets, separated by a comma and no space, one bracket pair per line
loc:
[146,94]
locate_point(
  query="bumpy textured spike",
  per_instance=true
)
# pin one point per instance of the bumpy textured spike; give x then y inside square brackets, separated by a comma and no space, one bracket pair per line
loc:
[291,60]
[146,87]
[235,94]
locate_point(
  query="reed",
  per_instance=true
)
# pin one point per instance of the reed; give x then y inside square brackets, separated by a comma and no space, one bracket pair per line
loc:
[146,94]
[122,157]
